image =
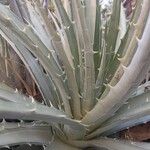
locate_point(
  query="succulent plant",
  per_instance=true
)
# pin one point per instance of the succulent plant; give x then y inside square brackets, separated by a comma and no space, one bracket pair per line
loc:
[88,65]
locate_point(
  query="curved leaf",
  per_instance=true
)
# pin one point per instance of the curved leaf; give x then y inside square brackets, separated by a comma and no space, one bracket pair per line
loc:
[33,135]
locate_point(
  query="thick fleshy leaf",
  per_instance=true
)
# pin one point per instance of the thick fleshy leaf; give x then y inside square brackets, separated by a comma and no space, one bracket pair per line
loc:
[130,42]
[32,135]
[90,15]
[133,75]
[89,75]
[111,144]
[16,106]
[136,111]
[97,44]
[57,144]
[69,43]
[40,51]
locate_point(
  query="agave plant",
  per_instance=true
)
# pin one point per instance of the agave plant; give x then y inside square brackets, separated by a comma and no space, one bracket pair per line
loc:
[87,67]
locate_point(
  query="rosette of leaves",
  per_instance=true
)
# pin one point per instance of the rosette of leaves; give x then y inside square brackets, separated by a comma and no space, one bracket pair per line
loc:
[87,68]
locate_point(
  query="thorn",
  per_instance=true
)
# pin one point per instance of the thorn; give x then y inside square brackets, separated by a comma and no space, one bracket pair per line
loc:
[130,23]
[42,102]
[24,29]
[33,124]
[4,121]
[62,116]
[147,100]
[127,21]
[21,121]
[29,144]
[16,90]
[78,66]
[49,56]
[103,28]
[33,110]
[133,143]
[72,57]
[135,24]
[82,50]
[59,106]
[65,79]
[36,59]
[44,146]
[26,21]
[73,68]
[68,97]
[95,52]
[124,67]
[35,46]
[108,85]
[6,146]
[29,25]
[7,19]
[83,6]
[7,6]
[51,105]
[80,96]
[105,84]
[66,27]
[137,39]
[120,59]
[52,51]
[32,99]
[63,73]
[98,69]
[58,75]
[126,103]
[73,22]
[133,7]
[85,111]
[97,99]
[97,87]
[18,124]
[87,129]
